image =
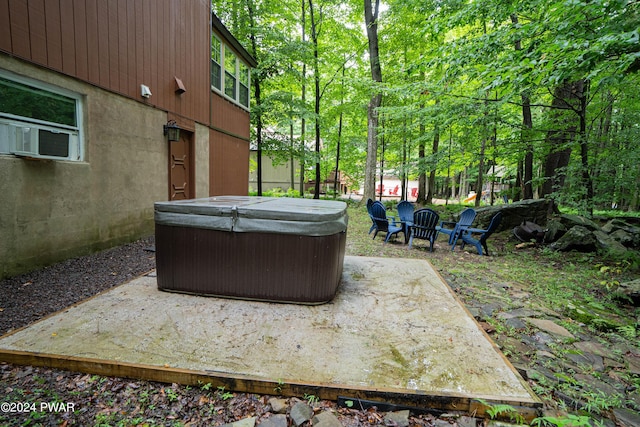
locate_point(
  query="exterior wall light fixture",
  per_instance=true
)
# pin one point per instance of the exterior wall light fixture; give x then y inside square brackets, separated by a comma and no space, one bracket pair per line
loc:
[172,131]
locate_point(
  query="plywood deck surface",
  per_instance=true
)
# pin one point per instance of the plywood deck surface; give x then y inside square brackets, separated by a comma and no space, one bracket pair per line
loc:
[394,325]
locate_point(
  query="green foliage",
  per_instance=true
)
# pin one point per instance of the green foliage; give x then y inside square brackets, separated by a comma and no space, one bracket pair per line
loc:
[455,79]
[503,411]
[223,394]
[277,192]
[567,420]
[598,402]
[311,399]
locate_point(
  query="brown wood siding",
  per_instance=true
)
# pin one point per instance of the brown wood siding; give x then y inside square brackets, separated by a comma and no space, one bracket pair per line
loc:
[5,30]
[226,115]
[80,40]
[229,165]
[68,38]
[118,45]
[19,25]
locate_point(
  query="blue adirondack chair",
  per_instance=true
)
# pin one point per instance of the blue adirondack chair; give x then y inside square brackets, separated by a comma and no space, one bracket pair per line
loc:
[481,242]
[382,223]
[457,228]
[424,226]
[405,212]
[373,223]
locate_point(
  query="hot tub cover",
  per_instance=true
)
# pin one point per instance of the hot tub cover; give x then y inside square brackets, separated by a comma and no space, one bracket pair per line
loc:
[243,214]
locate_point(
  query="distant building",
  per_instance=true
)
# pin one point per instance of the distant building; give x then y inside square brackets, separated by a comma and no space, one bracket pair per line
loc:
[275,174]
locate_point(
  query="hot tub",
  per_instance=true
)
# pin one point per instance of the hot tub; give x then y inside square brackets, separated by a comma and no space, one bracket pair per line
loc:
[259,248]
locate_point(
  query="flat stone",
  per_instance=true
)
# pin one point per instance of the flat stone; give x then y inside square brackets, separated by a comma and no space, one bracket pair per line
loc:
[277,420]
[399,418]
[519,312]
[487,310]
[593,348]
[540,372]
[627,417]
[613,364]
[543,354]
[475,312]
[514,349]
[631,290]
[245,422]
[441,423]
[515,323]
[535,342]
[279,406]
[465,421]
[596,384]
[634,364]
[587,360]
[550,327]
[301,412]
[326,419]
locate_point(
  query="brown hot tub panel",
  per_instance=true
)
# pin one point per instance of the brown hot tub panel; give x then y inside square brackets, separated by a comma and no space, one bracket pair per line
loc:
[272,249]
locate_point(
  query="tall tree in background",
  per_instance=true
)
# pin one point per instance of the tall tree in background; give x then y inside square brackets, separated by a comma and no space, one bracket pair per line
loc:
[257,92]
[525,52]
[316,79]
[303,96]
[525,173]
[371,22]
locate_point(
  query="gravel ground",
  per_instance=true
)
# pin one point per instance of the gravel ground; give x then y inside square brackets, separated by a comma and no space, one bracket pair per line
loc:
[61,285]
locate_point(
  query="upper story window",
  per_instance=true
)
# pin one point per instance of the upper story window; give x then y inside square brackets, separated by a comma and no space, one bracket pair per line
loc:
[216,62]
[234,83]
[39,120]
[243,90]
[230,73]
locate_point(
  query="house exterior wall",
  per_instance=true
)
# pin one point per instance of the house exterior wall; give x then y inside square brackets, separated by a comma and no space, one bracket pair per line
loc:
[202,148]
[229,159]
[52,210]
[118,45]
[274,175]
[104,50]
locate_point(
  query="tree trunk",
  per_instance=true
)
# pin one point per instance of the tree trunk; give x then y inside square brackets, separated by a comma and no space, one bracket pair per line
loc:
[303,96]
[527,125]
[587,182]
[422,175]
[403,175]
[371,22]
[291,156]
[335,179]
[316,75]
[432,173]
[381,165]
[558,139]
[257,96]
[483,147]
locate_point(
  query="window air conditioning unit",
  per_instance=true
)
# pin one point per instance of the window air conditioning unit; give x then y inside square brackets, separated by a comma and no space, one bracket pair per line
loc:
[39,142]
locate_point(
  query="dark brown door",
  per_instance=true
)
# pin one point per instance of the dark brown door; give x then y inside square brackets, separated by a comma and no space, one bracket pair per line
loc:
[180,167]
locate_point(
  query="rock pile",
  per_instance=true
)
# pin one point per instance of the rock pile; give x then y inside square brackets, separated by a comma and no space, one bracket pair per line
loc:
[573,232]
[566,232]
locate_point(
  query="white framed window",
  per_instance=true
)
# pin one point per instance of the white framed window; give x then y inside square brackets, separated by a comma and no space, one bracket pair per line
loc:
[39,120]
[243,89]
[216,62]
[229,74]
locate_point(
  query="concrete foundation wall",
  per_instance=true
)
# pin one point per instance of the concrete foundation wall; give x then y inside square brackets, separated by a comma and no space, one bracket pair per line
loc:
[201,153]
[53,210]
